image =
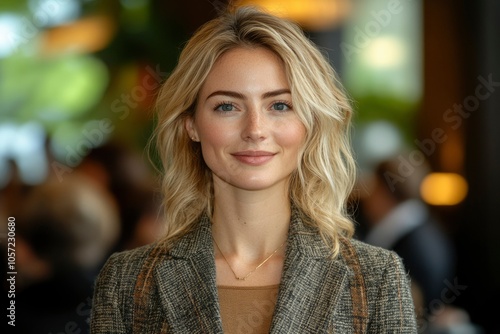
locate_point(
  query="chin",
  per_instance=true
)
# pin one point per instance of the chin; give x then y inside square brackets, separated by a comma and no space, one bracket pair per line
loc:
[258,184]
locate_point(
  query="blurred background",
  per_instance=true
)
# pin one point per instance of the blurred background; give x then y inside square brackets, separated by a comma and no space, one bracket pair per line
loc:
[77,82]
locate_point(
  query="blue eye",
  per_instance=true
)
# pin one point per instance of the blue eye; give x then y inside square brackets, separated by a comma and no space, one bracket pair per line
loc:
[281,106]
[224,107]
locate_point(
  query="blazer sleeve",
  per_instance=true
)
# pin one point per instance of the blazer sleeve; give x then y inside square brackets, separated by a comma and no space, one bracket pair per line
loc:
[394,310]
[106,314]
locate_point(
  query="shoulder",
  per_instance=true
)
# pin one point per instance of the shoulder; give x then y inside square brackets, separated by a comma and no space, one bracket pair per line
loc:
[380,274]
[372,256]
[115,289]
[378,265]
[130,259]
[122,268]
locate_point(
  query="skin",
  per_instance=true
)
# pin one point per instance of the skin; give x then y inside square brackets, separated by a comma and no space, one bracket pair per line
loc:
[251,139]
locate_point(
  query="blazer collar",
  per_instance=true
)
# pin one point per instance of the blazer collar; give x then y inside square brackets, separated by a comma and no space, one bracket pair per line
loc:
[311,283]
[187,283]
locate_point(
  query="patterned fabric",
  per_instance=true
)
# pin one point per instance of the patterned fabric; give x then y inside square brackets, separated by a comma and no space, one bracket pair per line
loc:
[149,290]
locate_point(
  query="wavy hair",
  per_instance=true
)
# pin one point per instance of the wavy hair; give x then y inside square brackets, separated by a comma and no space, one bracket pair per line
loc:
[320,186]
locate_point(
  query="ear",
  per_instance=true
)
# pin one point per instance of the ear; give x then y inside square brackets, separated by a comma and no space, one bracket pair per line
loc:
[191,129]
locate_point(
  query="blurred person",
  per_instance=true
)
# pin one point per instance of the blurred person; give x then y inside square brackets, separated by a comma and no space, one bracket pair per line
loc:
[65,230]
[253,135]
[124,172]
[397,219]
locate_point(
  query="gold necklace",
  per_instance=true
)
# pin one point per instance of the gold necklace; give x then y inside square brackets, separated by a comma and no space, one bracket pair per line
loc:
[251,272]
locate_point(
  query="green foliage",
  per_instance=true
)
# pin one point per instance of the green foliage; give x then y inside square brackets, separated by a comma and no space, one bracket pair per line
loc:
[395,110]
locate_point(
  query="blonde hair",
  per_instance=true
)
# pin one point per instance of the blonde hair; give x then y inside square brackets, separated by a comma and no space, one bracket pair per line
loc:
[324,179]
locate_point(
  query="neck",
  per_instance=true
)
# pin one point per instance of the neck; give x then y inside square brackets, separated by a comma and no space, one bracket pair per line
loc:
[251,224]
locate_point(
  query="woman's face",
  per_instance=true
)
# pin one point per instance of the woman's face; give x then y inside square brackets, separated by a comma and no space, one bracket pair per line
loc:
[249,133]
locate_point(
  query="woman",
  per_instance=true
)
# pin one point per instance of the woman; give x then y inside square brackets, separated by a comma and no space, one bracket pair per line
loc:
[253,136]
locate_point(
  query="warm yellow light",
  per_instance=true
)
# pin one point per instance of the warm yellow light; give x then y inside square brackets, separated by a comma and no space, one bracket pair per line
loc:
[385,52]
[443,189]
[310,14]
[86,35]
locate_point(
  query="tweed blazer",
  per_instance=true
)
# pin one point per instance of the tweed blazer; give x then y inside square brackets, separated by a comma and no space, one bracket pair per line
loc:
[149,290]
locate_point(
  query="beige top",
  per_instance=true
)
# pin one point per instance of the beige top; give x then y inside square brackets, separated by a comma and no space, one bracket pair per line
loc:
[247,309]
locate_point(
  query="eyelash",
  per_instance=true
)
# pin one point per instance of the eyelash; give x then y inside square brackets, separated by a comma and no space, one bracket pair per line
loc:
[286,103]
[218,105]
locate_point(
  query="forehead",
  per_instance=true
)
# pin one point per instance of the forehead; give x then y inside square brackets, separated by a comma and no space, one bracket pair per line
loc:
[246,54]
[247,68]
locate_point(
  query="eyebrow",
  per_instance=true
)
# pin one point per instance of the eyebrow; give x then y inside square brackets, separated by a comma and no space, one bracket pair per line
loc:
[242,97]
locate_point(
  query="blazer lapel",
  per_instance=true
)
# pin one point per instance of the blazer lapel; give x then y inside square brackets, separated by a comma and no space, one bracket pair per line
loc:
[311,285]
[187,284]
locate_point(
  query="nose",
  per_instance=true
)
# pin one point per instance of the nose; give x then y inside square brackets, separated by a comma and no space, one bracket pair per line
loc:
[254,126]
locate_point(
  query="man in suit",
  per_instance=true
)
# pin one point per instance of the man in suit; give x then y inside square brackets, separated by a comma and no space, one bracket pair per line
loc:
[395,217]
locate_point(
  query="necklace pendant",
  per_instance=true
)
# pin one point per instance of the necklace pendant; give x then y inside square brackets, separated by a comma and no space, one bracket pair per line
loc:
[251,272]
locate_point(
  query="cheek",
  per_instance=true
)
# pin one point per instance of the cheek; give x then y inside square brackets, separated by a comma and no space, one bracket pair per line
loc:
[214,136]
[293,137]
[209,130]
[215,140]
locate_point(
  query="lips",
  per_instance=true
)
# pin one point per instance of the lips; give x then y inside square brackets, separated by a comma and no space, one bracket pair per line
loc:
[254,158]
